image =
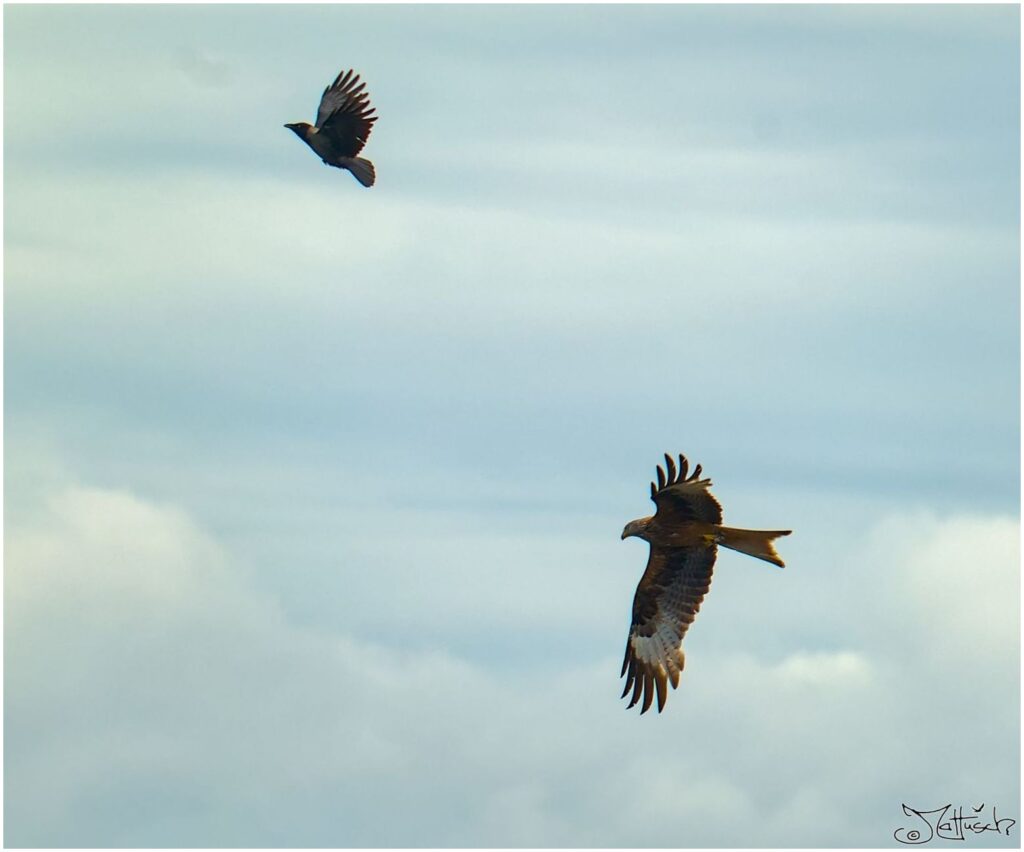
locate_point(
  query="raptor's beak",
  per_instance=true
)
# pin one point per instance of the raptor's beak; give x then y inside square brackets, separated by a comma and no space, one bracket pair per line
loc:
[624,536]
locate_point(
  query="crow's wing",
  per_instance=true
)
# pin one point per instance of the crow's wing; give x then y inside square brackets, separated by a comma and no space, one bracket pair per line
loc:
[345,116]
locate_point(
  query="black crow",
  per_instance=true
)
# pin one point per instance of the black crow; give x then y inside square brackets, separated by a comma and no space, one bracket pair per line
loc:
[343,124]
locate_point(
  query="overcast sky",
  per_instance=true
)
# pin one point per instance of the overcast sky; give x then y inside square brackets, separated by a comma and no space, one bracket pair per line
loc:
[314,493]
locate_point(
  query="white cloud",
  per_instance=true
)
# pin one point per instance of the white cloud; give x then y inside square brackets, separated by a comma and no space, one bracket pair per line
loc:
[322,585]
[143,661]
[962,581]
[839,669]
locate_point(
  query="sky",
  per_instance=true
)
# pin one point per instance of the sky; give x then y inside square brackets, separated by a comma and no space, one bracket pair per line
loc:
[313,493]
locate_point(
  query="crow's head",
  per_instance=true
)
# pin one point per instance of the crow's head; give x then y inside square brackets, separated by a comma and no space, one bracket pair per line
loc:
[301,129]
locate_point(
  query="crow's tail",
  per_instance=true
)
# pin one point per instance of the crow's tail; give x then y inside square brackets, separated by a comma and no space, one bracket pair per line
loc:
[362,169]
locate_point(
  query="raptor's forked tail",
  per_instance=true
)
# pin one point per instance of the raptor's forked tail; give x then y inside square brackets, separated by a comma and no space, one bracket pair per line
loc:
[756,543]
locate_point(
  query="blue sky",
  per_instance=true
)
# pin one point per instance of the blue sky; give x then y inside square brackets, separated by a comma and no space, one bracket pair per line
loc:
[313,493]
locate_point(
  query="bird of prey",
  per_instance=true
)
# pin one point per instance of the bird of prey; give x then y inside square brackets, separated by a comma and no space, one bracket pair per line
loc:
[343,124]
[684,535]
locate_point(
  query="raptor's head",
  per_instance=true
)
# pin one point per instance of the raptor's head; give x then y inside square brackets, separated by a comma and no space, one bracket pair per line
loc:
[637,528]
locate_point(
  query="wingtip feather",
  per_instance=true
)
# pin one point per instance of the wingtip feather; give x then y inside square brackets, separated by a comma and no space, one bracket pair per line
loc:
[660,680]
[670,465]
[648,692]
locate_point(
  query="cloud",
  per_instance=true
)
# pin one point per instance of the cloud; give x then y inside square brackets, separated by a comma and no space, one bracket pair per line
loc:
[814,242]
[205,68]
[330,554]
[156,695]
[958,585]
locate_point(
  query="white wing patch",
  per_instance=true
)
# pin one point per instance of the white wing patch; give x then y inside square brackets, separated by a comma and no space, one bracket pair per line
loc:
[662,652]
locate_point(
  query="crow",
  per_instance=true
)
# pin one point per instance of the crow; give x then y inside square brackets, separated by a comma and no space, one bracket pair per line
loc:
[343,124]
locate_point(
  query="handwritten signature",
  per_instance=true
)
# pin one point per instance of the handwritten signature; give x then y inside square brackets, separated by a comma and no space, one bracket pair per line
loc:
[949,823]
